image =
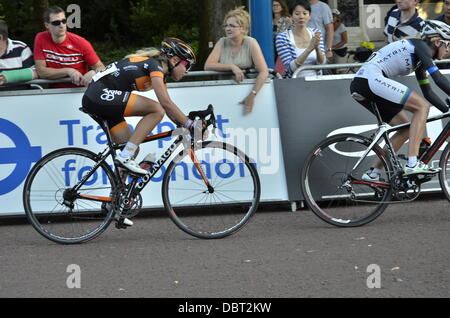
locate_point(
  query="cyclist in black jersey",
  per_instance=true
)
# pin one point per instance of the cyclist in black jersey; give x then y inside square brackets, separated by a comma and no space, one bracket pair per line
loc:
[110,95]
[373,83]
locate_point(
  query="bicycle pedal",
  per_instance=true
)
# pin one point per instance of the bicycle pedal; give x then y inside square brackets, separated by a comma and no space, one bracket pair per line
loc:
[121,225]
[123,222]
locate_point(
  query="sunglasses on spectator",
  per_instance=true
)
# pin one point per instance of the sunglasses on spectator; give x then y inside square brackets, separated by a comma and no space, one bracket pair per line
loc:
[232,26]
[446,43]
[58,22]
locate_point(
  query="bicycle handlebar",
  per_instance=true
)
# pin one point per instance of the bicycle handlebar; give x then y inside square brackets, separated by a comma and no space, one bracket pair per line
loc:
[202,114]
[447,101]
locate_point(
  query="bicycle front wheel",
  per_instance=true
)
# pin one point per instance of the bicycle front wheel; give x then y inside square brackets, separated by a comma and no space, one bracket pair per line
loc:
[444,175]
[334,189]
[211,192]
[56,209]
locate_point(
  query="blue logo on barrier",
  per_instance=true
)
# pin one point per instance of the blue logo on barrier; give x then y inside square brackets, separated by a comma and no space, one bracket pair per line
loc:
[23,156]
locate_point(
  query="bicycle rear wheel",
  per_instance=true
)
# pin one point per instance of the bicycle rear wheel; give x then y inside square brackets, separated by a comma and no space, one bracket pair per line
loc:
[444,175]
[60,213]
[219,208]
[334,191]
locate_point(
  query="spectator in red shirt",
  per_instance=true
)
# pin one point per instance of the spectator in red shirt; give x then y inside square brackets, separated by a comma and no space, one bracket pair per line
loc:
[59,54]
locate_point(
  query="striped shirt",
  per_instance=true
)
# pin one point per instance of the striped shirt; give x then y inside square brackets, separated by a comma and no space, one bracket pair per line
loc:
[17,56]
[288,52]
[395,30]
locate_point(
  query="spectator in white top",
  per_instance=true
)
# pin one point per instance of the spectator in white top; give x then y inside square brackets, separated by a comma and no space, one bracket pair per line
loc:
[322,19]
[16,59]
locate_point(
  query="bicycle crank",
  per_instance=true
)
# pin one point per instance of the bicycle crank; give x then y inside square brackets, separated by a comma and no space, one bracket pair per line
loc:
[128,206]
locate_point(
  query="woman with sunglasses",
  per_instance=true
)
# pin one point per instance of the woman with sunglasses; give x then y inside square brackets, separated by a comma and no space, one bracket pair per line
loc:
[60,54]
[373,82]
[110,95]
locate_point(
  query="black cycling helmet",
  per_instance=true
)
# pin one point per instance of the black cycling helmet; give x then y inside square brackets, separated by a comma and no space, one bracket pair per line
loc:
[171,47]
[435,28]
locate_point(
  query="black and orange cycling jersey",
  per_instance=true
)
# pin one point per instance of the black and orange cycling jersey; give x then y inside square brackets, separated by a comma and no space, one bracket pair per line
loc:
[130,74]
[110,92]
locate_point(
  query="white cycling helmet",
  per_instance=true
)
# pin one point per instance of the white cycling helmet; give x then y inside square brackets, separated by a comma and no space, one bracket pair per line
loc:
[435,28]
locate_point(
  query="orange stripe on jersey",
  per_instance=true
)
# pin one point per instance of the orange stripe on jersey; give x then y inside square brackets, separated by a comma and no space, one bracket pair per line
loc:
[138,59]
[129,108]
[119,127]
[143,83]
[157,74]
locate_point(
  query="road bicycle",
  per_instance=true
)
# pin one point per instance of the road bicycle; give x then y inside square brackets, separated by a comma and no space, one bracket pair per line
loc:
[331,178]
[210,189]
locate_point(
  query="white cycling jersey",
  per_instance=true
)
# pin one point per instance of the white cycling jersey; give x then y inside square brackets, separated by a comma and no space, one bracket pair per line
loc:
[397,59]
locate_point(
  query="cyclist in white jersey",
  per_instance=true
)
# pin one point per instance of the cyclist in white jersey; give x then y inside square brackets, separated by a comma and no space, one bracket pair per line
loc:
[373,82]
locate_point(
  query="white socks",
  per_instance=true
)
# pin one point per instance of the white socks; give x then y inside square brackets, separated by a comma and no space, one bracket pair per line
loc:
[374,173]
[129,150]
[412,162]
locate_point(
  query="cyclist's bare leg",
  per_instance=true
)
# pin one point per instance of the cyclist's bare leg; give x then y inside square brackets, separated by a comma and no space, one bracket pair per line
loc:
[420,109]
[399,138]
[152,113]
[120,134]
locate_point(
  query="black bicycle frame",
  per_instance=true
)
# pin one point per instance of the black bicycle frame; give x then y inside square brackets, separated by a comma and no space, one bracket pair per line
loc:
[432,150]
[383,132]
[139,183]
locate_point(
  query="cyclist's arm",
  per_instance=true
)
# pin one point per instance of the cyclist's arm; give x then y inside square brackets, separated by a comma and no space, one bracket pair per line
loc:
[172,110]
[422,51]
[428,93]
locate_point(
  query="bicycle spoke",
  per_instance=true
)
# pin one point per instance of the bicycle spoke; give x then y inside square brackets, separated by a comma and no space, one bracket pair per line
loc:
[329,185]
[48,191]
[223,207]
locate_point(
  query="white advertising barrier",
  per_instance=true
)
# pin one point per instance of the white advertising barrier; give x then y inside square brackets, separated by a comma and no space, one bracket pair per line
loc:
[32,126]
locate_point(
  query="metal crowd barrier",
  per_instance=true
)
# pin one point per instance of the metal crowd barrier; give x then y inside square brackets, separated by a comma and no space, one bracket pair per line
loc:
[343,65]
[195,74]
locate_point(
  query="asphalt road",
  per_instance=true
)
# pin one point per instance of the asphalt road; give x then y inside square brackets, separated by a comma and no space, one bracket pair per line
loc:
[278,254]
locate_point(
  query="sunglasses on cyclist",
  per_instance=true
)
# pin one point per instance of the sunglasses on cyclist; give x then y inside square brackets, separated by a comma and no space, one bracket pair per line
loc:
[58,22]
[186,64]
[446,43]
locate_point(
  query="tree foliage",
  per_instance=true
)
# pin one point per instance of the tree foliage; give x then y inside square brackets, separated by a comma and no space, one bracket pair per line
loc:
[120,26]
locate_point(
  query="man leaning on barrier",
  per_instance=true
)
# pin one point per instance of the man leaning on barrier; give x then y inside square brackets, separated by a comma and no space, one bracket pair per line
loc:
[16,59]
[60,54]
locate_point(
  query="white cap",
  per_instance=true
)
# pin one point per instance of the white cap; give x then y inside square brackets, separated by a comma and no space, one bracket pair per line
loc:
[336,12]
